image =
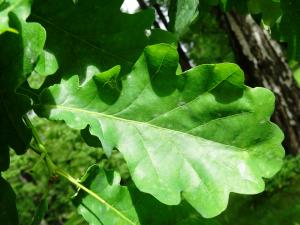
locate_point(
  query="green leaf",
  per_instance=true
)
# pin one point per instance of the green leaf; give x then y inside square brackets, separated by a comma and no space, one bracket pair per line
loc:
[162,36]
[129,201]
[8,210]
[287,29]
[296,74]
[240,6]
[47,64]
[19,53]
[6,7]
[22,49]
[200,135]
[92,33]
[13,132]
[182,13]
[269,9]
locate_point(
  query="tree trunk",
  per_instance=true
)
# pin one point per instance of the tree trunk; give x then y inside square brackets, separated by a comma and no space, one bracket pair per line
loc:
[265,65]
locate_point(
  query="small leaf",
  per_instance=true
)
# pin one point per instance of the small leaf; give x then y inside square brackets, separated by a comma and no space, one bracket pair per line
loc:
[132,203]
[46,64]
[182,13]
[5,8]
[108,75]
[200,135]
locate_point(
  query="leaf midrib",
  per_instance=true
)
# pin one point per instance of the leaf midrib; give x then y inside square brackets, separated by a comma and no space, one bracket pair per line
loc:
[98,114]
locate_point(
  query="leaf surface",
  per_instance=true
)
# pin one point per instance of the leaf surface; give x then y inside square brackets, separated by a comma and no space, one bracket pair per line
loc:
[200,135]
[269,9]
[7,7]
[129,201]
[19,53]
[92,33]
[287,28]
[8,210]
[182,13]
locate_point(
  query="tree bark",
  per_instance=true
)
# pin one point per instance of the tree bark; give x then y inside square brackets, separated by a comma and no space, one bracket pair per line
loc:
[265,65]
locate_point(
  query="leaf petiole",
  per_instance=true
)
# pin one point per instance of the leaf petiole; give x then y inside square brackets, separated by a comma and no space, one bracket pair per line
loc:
[90,192]
[42,151]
